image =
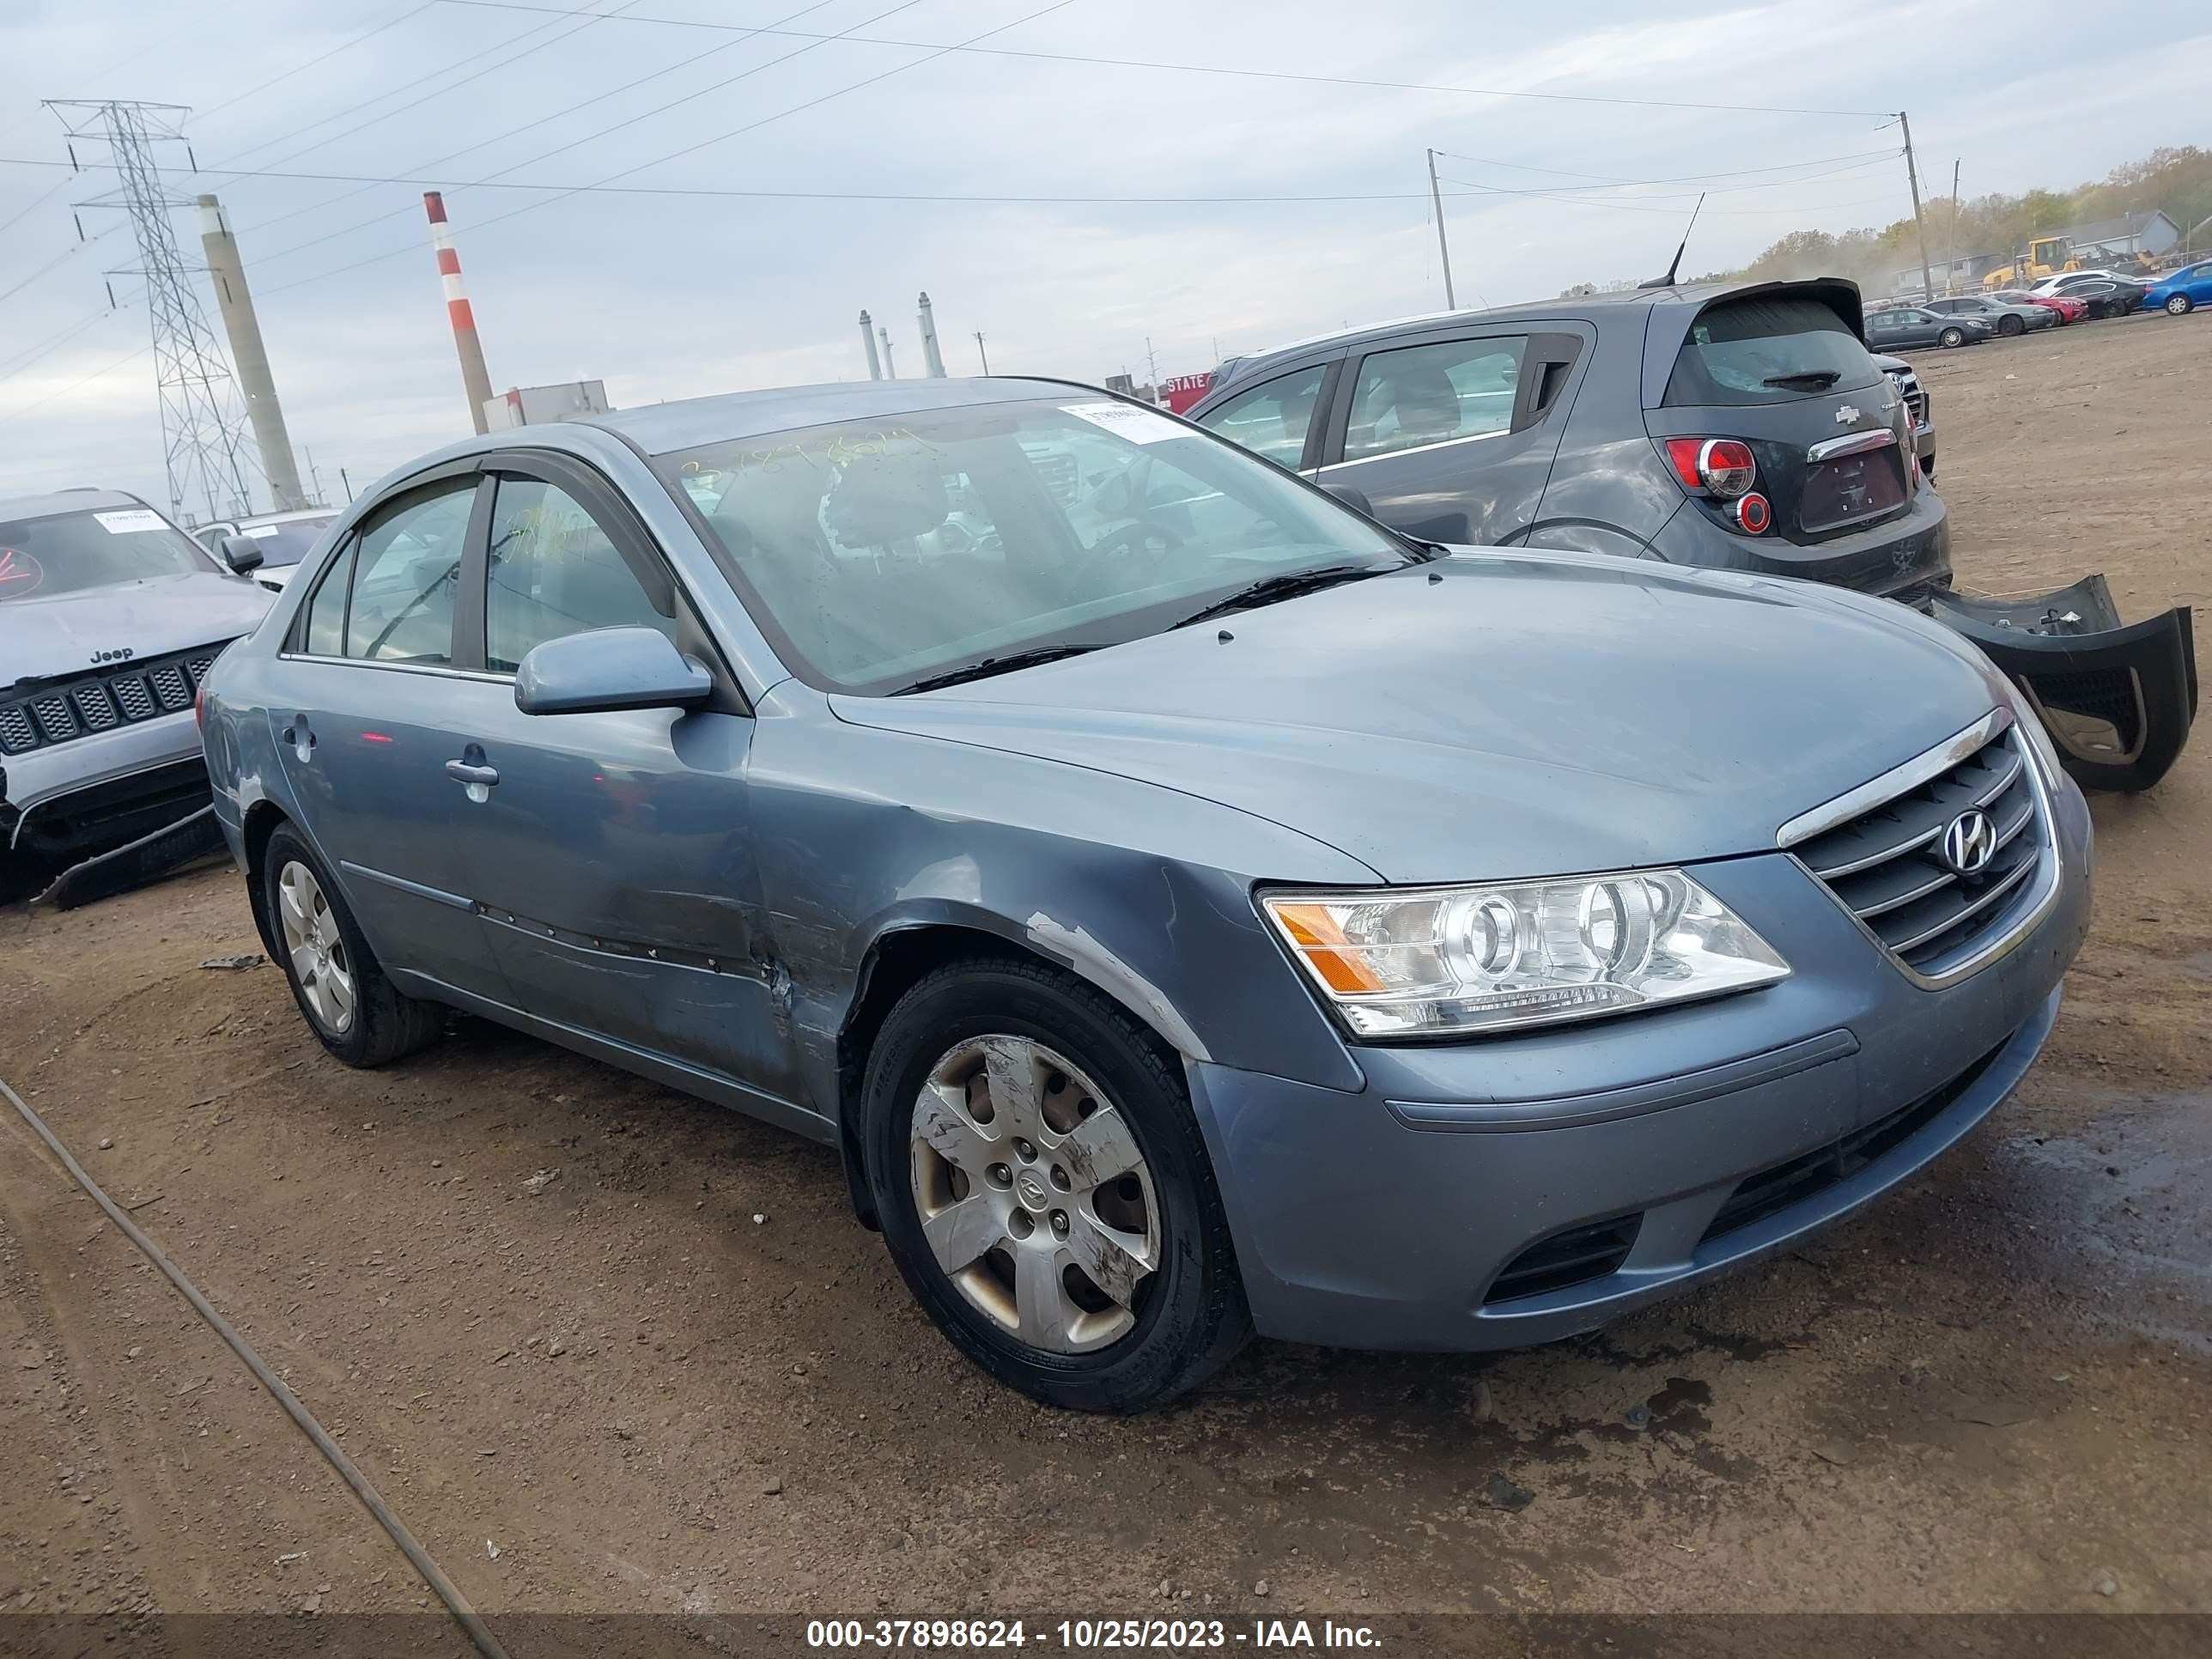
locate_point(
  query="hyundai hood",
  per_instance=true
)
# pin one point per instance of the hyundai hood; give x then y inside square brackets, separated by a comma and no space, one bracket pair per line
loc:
[1497,714]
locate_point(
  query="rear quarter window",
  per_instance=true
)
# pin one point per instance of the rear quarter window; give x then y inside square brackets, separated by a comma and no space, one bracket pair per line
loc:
[1767,350]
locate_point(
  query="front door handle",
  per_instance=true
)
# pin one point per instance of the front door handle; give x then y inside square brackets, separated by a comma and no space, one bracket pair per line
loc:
[463,772]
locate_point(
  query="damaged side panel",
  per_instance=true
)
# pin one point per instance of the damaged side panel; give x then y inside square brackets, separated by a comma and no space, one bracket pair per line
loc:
[1022,850]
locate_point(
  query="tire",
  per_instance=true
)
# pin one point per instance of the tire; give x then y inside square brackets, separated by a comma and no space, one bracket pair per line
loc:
[1952,336]
[2179,305]
[1170,1327]
[2012,327]
[383,1025]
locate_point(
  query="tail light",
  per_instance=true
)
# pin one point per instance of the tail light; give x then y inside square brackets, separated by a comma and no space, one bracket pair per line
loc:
[1713,467]
[1751,513]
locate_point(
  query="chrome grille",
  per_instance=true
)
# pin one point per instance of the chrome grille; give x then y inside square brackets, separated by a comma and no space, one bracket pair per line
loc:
[87,703]
[1886,865]
[1915,395]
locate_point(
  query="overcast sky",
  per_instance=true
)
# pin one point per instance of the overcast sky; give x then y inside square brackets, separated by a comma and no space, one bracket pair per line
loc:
[673,295]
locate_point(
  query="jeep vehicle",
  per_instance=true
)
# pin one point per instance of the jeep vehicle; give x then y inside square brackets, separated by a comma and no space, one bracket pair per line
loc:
[110,616]
[1731,426]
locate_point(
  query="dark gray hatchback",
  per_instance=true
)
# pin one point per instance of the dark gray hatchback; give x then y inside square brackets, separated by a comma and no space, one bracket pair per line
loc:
[1728,426]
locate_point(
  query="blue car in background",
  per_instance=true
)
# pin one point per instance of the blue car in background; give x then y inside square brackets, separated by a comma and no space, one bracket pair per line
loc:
[2182,291]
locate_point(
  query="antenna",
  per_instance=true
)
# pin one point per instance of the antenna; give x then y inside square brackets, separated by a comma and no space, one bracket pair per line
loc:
[1674,269]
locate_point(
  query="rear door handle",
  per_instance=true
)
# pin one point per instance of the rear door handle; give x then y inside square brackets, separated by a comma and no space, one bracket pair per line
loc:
[463,772]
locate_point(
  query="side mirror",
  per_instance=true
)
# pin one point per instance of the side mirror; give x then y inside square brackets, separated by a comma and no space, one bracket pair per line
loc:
[606,669]
[1355,499]
[241,553]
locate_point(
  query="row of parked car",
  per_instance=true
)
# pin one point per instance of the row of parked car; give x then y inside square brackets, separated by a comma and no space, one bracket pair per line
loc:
[1381,864]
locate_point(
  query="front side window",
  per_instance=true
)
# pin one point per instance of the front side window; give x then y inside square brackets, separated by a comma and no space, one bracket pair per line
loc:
[1768,349]
[875,554]
[322,633]
[1432,394]
[71,552]
[552,571]
[1272,420]
[405,572]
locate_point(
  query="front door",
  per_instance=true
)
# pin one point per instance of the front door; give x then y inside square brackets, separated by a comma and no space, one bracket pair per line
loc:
[612,853]
[363,743]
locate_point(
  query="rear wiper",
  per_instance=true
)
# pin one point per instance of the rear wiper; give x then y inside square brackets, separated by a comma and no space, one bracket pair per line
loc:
[990,665]
[1288,585]
[1819,379]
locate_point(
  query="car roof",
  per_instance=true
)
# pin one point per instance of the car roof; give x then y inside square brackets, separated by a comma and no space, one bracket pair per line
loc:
[81,498]
[290,516]
[1634,306]
[658,429]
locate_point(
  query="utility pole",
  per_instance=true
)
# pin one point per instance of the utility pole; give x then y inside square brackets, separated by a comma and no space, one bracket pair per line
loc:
[980,352]
[476,379]
[314,478]
[1919,225]
[1954,228]
[203,421]
[347,485]
[227,270]
[932,359]
[1152,365]
[1443,246]
[868,339]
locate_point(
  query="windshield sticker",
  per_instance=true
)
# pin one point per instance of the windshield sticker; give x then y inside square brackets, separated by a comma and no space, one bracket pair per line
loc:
[1138,426]
[258,532]
[124,522]
[20,574]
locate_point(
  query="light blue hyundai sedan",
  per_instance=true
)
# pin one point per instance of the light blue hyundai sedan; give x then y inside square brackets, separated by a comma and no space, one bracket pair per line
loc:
[1190,908]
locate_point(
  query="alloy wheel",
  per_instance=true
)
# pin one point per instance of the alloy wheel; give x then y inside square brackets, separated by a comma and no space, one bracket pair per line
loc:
[316,948]
[1034,1196]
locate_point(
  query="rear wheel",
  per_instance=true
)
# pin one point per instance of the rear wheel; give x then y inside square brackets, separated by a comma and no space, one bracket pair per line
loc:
[1952,336]
[1044,1191]
[2179,305]
[355,1012]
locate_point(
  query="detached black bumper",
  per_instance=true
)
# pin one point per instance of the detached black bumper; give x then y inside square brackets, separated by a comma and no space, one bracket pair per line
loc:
[2116,698]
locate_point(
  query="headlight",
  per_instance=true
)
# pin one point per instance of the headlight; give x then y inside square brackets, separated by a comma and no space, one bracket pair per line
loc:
[1449,960]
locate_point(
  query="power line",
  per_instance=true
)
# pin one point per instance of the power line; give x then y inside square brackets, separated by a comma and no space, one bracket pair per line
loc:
[428,97]
[22,363]
[1607,180]
[1670,212]
[435,181]
[1558,194]
[50,265]
[320,57]
[132,355]
[40,200]
[750,127]
[513,132]
[1218,69]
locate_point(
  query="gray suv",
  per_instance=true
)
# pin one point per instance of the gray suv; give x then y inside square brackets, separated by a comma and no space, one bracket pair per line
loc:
[1731,427]
[110,616]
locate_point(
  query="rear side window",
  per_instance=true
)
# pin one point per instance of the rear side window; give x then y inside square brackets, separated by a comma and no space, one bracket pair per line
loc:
[323,633]
[1767,350]
[1272,420]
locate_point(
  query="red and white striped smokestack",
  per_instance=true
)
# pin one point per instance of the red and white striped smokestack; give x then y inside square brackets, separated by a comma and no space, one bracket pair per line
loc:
[476,379]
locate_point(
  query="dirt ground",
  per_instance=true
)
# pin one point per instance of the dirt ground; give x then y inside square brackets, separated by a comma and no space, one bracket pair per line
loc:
[676,1376]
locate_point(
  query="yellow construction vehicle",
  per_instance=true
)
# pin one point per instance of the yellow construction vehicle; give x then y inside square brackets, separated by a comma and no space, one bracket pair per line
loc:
[2047,256]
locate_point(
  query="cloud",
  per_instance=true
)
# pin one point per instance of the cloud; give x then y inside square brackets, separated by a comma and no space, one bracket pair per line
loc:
[675,296]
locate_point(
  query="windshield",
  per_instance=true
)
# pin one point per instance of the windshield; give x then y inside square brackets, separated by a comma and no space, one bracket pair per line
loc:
[71,552]
[286,543]
[878,553]
[1767,350]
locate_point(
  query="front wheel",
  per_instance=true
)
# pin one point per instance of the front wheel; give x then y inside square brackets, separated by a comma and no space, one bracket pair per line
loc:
[1044,1191]
[1952,336]
[2013,327]
[2179,305]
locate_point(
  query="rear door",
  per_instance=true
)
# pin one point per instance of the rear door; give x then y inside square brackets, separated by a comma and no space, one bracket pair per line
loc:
[373,679]
[1783,370]
[1451,436]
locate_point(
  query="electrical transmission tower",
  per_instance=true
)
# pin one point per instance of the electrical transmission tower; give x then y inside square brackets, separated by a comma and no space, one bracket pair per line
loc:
[203,416]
